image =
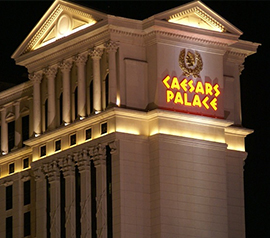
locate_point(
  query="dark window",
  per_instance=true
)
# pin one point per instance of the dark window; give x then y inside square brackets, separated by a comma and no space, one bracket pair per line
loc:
[73,139]
[11,135]
[88,134]
[11,168]
[76,103]
[9,197]
[57,145]
[25,128]
[46,114]
[27,192]
[61,109]
[62,205]
[26,163]
[27,224]
[103,128]
[43,150]
[91,97]
[107,90]
[9,233]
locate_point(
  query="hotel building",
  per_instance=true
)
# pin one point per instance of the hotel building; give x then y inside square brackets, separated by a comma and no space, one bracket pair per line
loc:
[126,128]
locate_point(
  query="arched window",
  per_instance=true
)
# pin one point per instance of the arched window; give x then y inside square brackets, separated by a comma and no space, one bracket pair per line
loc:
[46,114]
[76,103]
[91,97]
[61,109]
[107,91]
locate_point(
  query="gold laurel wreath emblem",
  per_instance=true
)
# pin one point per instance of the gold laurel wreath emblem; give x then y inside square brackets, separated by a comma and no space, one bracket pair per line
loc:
[190,70]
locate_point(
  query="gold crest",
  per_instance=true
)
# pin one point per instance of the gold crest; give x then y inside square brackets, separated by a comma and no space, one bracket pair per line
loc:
[191,64]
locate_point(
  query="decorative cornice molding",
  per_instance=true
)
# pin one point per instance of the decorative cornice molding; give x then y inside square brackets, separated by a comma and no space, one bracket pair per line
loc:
[180,37]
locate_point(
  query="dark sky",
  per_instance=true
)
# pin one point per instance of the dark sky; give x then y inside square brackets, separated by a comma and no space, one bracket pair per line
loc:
[17,19]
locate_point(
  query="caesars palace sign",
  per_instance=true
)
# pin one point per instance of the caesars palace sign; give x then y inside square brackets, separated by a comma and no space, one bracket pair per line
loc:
[187,92]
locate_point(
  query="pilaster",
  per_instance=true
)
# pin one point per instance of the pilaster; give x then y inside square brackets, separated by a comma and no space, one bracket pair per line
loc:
[68,169]
[96,54]
[36,78]
[53,174]
[80,62]
[41,203]
[50,73]
[18,125]
[111,47]
[84,169]
[65,67]
[99,157]
[4,132]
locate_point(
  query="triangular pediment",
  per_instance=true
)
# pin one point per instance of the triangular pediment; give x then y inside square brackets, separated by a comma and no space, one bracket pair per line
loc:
[198,15]
[62,19]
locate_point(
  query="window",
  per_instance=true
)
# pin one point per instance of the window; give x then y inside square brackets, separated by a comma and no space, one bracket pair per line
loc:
[9,233]
[27,224]
[25,128]
[88,134]
[11,168]
[107,90]
[91,97]
[9,197]
[43,150]
[46,114]
[76,103]
[61,109]
[26,163]
[57,145]
[27,192]
[103,128]
[11,135]
[73,139]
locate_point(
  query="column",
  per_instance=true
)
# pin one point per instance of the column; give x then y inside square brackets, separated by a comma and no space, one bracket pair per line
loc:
[84,169]
[53,175]
[80,62]
[69,175]
[36,78]
[41,203]
[112,47]
[50,74]
[4,132]
[18,125]
[101,197]
[65,69]
[17,206]
[96,56]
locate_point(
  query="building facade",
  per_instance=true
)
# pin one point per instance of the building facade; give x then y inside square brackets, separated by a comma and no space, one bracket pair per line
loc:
[126,128]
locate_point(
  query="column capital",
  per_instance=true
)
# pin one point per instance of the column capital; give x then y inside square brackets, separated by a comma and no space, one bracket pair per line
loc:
[51,71]
[81,59]
[96,53]
[65,65]
[52,171]
[67,166]
[111,46]
[113,146]
[38,174]
[99,154]
[83,161]
[36,77]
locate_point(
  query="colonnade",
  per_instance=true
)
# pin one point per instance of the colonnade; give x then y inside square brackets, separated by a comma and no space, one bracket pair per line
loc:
[17,117]
[65,67]
[51,171]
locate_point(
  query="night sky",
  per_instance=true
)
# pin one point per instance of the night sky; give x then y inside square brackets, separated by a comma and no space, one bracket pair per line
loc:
[18,18]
